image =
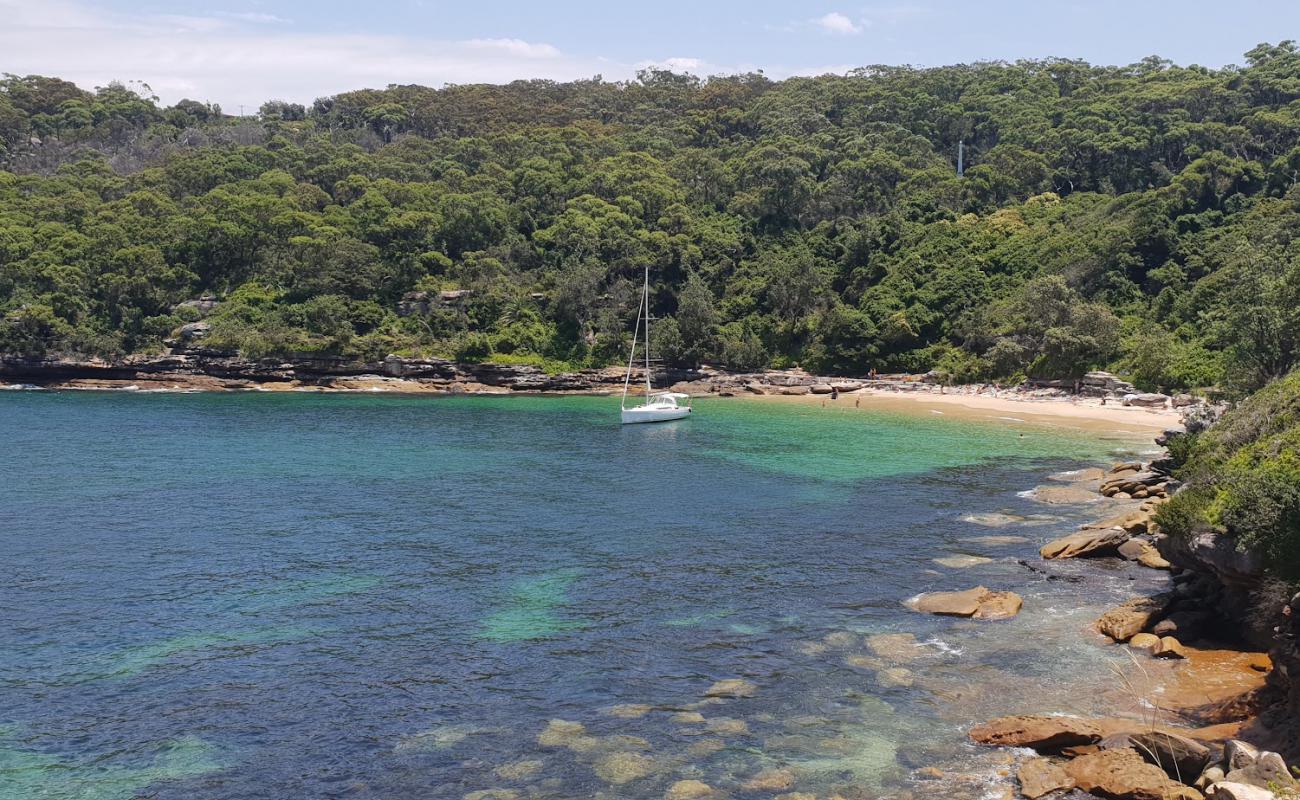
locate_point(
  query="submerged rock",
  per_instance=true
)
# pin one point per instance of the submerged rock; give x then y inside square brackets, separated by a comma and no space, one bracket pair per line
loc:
[897,647]
[621,768]
[1038,777]
[688,790]
[726,726]
[1069,495]
[629,710]
[732,687]
[962,561]
[1086,543]
[518,770]
[996,541]
[770,780]
[559,733]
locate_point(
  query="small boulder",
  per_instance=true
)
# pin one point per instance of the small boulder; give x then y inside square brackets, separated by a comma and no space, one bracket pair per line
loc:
[1039,732]
[999,605]
[1153,560]
[1230,790]
[1086,543]
[1132,617]
[980,603]
[1269,768]
[1181,758]
[1239,755]
[1038,777]
[1125,775]
[1211,775]
[621,768]
[1144,641]
[1169,647]
[1133,549]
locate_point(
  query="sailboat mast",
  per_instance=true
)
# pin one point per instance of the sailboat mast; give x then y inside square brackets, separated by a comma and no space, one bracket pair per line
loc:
[646,300]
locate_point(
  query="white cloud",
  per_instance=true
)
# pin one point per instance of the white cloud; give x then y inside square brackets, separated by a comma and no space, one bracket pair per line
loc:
[234,60]
[837,23]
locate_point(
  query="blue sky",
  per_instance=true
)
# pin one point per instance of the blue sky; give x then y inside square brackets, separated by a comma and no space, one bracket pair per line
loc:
[245,51]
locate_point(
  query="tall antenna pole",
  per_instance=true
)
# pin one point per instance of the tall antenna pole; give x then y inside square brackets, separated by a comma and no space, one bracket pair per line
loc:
[961,157]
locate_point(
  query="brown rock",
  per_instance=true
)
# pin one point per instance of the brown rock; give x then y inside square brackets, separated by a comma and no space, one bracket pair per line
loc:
[1144,641]
[1125,775]
[1092,542]
[731,687]
[1181,758]
[1038,732]
[980,603]
[1153,560]
[999,605]
[1038,777]
[1169,647]
[688,790]
[1133,617]
[1133,549]
[954,604]
[1064,495]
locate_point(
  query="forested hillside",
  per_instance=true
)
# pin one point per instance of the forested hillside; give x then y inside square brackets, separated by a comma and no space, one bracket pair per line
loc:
[1142,218]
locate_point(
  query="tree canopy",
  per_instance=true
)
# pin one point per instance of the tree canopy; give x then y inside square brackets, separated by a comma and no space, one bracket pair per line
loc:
[1141,218]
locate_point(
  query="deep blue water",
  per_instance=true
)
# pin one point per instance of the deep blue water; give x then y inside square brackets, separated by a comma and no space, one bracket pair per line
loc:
[302,596]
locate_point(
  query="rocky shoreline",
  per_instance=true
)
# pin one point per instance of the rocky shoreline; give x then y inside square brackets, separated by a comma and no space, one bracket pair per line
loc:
[1221,720]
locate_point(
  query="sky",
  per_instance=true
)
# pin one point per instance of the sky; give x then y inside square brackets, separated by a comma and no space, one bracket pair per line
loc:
[244,52]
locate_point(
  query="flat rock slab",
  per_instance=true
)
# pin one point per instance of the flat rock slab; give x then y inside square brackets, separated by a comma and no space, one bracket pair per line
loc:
[1125,775]
[1039,777]
[732,687]
[962,561]
[1086,543]
[1042,733]
[1069,495]
[978,603]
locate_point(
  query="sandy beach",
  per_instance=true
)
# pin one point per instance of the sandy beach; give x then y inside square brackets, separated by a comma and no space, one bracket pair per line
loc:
[1089,415]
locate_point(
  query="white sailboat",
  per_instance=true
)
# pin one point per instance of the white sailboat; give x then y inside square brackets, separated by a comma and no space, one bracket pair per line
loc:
[661,406]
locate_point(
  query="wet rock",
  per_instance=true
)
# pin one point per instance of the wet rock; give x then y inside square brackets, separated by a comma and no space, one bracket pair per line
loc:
[1153,560]
[992,520]
[492,794]
[1038,777]
[1229,790]
[1039,732]
[621,768]
[688,790]
[980,603]
[840,639]
[1086,543]
[931,773]
[733,688]
[1181,758]
[629,710]
[1132,617]
[1169,647]
[796,796]
[559,733]
[688,718]
[1080,475]
[1125,775]
[770,780]
[518,770]
[999,605]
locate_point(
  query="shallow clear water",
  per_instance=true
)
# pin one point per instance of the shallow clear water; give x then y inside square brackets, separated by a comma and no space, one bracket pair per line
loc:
[270,596]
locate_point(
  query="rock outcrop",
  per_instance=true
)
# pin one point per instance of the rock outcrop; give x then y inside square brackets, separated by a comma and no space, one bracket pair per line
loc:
[979,603]
[1042,733]
[1125,775]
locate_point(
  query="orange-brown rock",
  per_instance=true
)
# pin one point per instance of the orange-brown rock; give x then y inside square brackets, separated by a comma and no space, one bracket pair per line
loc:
[1133,617]
[1038,777]
[1125,775]
[1039,732]
[980,603]
[1092,542]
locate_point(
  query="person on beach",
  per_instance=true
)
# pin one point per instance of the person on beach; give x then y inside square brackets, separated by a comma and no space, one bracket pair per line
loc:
[835,393]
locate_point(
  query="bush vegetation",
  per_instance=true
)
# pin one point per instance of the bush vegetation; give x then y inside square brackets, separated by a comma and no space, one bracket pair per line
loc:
[1140,217]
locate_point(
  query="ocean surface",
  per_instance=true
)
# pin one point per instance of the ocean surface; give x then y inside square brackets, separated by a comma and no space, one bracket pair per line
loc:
[343,596]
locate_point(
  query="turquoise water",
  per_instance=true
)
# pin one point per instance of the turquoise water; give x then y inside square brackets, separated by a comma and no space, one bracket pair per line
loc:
[248,596]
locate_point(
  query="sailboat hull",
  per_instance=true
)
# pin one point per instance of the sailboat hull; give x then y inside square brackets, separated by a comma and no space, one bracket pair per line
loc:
[632,416]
